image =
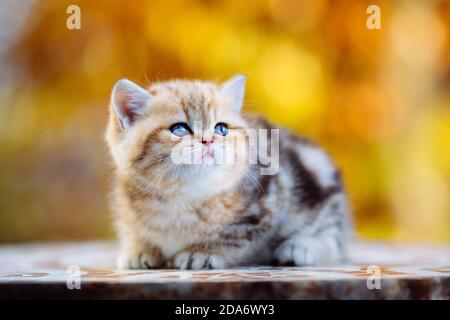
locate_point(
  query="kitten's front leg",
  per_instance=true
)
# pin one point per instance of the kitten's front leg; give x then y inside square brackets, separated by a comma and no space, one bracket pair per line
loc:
[137,254]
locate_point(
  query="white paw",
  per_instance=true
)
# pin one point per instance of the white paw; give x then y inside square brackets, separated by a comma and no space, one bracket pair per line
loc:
[303,251]
[197,260]
[137,260]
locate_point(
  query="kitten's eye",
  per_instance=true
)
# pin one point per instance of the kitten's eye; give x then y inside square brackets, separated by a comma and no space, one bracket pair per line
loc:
[180,129]
[221,128]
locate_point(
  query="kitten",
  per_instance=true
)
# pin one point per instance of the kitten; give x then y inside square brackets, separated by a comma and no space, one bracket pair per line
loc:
[209,214]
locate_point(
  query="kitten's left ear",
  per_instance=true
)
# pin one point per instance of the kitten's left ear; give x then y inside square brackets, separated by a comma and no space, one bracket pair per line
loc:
[235,87]
[129,101]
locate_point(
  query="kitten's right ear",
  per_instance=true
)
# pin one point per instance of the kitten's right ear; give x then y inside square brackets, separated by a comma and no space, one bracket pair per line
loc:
[128,100]
[235,88]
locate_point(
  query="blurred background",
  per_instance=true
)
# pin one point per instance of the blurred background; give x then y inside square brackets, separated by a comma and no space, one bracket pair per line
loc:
[377,100]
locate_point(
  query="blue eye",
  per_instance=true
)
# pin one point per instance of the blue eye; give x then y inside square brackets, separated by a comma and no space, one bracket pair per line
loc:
[221,128]
[180,129]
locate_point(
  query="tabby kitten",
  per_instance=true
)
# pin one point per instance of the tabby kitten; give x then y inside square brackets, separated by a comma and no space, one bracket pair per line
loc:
[209,214]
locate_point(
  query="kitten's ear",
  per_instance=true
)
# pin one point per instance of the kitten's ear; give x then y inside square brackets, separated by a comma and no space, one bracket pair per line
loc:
[235,87]
[128,100]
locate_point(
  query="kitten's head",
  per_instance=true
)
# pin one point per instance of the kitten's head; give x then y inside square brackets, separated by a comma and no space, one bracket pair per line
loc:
[185,133]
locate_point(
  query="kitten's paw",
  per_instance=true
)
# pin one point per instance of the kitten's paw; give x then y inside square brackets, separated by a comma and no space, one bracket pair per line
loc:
[307,252]
[138,260]
[197,260]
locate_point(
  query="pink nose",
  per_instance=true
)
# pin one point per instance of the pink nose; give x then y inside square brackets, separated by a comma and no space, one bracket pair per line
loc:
[207,142]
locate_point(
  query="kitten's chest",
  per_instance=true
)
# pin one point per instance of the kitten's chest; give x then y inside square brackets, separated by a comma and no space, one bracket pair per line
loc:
[175,229]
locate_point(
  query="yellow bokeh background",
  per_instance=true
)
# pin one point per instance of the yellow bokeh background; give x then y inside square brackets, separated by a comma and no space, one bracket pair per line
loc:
[377,100]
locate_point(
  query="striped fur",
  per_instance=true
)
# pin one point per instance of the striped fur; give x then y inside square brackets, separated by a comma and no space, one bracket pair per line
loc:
[216,216]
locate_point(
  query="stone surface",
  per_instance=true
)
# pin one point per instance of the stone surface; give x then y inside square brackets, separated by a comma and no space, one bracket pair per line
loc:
[44,270]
